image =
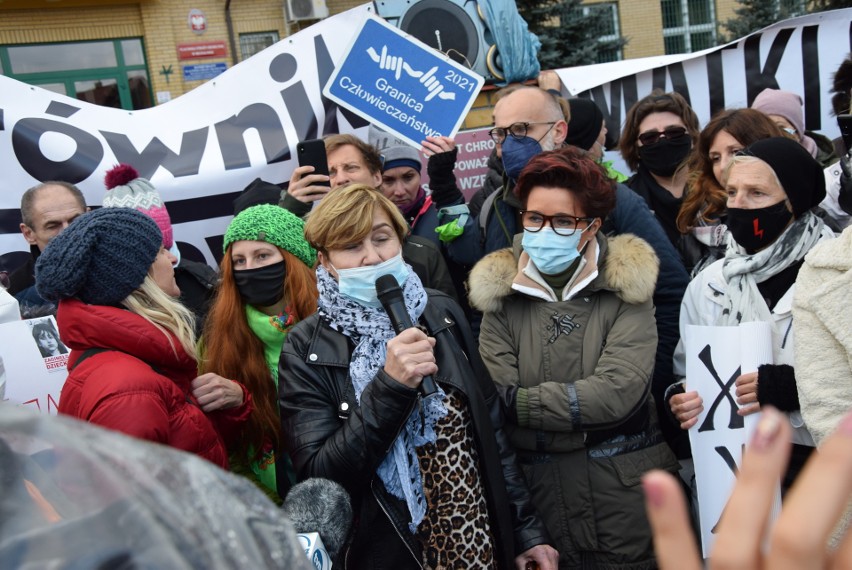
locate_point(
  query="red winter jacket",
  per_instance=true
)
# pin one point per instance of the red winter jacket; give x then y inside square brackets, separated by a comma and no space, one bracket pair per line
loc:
[139,386]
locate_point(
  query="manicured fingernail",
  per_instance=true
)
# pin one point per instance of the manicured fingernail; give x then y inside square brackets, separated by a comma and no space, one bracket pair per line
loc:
[846,424]
[767,429]
[653,492]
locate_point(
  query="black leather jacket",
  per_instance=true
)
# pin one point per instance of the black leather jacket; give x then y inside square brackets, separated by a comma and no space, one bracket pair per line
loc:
[328,435]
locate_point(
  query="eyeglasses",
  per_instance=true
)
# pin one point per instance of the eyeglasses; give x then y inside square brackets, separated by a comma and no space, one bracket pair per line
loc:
[562,224]
[516,130]
[669,133]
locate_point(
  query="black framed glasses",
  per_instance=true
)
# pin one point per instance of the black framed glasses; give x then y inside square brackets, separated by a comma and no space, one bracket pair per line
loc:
[516,130]
[562,224]
[669,133]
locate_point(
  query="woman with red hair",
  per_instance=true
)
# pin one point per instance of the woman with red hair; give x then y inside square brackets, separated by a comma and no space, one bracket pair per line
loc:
[568,336]
[267,285]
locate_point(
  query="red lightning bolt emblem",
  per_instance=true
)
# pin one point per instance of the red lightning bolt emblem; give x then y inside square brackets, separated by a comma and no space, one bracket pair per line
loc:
[757,231]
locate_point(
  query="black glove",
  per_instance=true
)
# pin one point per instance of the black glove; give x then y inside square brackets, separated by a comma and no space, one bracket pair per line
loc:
[442,179]
[776,386]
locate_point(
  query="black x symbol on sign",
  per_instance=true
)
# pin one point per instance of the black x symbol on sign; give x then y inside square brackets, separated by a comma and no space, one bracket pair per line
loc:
[736,421]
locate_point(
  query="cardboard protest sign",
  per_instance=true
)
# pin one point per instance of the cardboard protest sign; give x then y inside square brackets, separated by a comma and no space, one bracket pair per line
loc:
[34,359]
[715,358]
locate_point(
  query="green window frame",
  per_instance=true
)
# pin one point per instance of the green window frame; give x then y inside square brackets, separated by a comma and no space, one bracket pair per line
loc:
[130,96]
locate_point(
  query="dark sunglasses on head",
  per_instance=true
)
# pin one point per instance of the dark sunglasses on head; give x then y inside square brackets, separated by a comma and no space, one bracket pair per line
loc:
[669,133]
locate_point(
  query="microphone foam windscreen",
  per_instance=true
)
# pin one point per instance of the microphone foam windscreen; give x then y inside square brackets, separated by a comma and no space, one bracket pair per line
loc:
[322,506]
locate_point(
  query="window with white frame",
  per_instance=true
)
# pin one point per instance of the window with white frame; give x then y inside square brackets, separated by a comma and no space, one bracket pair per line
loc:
[251,44]
[688,25]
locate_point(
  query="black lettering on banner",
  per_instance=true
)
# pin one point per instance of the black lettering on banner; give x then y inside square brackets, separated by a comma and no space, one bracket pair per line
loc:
[2,128]
[215,245]
[658,78]
[715,81]
[736,421]
[156,154]
[759,78]
[612,111]
[729,460]
[264,119]
[677,75]
[679,83]
[810,70]
[282,69]
[325,67]
[27,133]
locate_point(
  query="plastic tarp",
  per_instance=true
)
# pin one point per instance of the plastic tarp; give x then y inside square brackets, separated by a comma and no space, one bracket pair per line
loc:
[75,496]
[517,46]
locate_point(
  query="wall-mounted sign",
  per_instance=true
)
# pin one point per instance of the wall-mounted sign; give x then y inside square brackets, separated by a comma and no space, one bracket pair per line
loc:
[197,21]
[203,71]
[197,50]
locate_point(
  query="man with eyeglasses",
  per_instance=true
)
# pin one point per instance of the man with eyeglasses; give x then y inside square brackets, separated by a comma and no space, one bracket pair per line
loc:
[528,121]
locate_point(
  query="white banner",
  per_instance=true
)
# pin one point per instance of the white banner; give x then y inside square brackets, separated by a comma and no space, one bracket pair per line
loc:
[715,357]
[199,150]
[798,55]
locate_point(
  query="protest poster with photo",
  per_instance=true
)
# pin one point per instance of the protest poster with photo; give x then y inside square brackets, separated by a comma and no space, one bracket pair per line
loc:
[715,358]
[34,360]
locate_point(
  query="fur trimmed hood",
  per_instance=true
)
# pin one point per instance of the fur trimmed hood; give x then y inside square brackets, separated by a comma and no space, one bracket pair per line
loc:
[628,266]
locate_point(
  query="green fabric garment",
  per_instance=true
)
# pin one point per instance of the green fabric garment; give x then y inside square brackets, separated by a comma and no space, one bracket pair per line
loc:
[613,173]
[271,331]
[558,282]
[449,231]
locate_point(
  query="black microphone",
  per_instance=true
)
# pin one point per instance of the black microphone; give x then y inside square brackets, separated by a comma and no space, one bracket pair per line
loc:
[390,296]
[322,506]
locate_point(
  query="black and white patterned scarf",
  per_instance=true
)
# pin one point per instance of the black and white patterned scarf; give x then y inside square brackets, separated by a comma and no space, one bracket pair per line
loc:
[371,329]
[743,271]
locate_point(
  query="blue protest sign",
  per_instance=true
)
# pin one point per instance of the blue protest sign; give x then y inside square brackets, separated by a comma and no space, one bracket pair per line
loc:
[402,85]
[203,71]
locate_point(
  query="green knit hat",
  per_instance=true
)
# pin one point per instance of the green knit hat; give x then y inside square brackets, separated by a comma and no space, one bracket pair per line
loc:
[272,224]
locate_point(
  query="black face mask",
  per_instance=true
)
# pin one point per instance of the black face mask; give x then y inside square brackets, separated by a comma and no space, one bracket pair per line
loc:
[663,157]
[755,229]
[263,286]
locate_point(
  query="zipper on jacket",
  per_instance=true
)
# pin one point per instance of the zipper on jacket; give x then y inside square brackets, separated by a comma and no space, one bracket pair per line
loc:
[393,524]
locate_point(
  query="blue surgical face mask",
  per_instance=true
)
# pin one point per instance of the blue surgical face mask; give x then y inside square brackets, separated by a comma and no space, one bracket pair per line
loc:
[517,153]
[550,252]
[359,283]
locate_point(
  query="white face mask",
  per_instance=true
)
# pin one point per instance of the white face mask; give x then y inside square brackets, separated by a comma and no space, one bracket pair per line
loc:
[359,283]
[711,236]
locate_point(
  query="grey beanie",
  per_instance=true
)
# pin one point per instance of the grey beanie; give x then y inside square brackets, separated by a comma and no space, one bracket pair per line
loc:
[394,151]
[101,258]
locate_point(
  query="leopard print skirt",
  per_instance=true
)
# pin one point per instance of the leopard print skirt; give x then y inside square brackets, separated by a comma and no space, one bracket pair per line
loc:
[456,532]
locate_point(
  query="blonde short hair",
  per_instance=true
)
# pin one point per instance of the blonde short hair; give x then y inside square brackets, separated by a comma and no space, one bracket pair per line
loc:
[345,216]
